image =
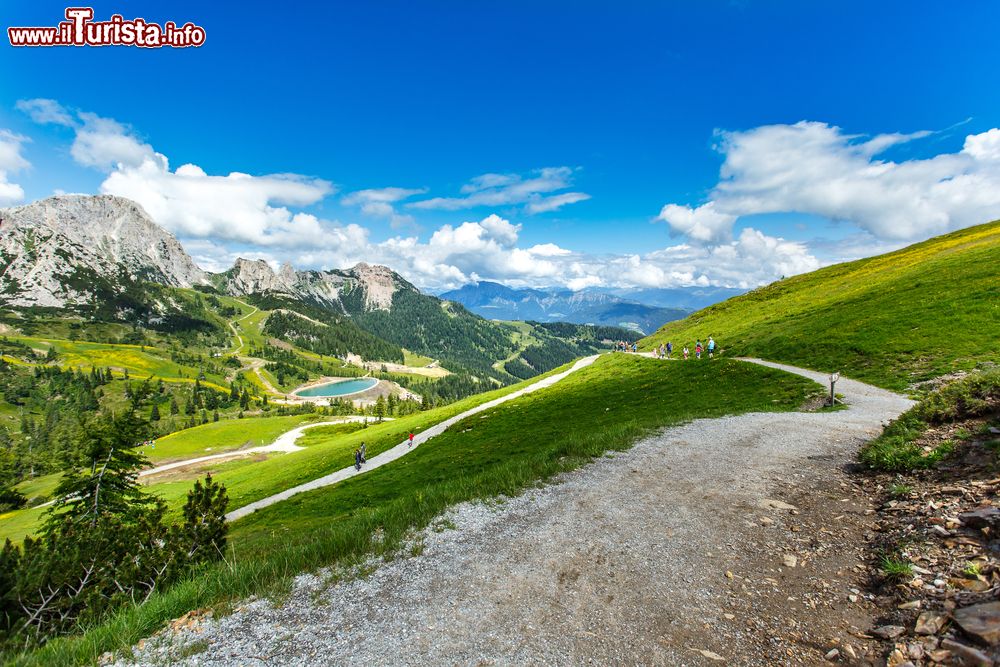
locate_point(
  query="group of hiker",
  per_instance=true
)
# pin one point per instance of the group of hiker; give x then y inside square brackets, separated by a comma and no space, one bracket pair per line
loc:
[625,346]
[360,456]
[666,350]
[361,453]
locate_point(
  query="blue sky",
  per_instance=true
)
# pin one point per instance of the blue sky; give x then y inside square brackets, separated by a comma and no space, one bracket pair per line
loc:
[842,128]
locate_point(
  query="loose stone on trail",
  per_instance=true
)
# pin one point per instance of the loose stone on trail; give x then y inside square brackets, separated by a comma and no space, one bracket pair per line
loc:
[981,620]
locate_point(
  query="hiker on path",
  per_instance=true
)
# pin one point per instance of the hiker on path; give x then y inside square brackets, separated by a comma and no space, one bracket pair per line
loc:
[411,440]
[635,348]
[670,349]
[711,347]
[697,350]
[364,453]
[357,459]
[686,352]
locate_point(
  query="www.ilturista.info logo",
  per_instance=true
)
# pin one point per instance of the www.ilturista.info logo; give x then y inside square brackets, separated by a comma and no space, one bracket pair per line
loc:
[80,29]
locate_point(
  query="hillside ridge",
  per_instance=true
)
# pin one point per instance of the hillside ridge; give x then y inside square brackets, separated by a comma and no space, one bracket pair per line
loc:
[891,320]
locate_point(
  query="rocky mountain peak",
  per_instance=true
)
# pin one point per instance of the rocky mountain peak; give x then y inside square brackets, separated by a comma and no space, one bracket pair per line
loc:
[255,276]
[379,283]
[287,273]
[53,249]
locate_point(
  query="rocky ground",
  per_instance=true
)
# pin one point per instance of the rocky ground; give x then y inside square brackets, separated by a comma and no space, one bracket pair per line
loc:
[935,556]
[736,541]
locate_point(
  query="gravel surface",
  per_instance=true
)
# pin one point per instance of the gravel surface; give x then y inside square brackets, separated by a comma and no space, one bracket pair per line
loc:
[679,551]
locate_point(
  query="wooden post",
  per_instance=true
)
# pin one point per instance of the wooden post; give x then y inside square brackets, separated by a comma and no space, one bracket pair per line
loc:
[833,381]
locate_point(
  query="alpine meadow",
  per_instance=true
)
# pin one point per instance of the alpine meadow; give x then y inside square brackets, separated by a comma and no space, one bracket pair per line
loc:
[561,334]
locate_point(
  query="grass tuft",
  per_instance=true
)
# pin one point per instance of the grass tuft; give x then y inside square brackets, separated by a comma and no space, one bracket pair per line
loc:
[896,568]
[900,490]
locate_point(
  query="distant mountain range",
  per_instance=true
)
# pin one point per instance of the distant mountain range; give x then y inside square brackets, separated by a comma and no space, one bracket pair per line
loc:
[642,310]
[689,298]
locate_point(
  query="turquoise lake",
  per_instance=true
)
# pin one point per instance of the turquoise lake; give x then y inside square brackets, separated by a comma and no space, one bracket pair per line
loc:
[339,388]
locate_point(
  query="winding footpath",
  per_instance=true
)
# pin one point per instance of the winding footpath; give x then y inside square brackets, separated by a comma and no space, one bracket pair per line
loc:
[404,447]
[732,541]
[232,325]
[284,443]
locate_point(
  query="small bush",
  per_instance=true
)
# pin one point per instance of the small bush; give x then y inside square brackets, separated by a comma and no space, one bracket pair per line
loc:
[11,499]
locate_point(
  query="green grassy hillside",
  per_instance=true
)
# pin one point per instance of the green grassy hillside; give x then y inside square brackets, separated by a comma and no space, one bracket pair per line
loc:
[889,320]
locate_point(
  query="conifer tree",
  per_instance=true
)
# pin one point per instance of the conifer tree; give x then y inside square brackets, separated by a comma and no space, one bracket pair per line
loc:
[106,482]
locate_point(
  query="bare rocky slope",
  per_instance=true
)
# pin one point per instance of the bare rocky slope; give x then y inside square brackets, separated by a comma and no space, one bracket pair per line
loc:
[54,251]
[376,285]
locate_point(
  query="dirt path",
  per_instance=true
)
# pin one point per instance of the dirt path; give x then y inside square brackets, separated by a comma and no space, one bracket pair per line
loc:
[258,364]
[232,325]
[731,541]
[284,443]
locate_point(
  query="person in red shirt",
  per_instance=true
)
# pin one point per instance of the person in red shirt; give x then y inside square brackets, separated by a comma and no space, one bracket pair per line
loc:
[411,440]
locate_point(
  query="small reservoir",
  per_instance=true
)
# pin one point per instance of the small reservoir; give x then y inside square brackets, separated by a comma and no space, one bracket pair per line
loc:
[340,388]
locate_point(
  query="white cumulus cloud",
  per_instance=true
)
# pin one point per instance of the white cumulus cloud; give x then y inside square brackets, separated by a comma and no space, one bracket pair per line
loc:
[533,191]
[489,250]
[103,143]
[704,223]
[816,168]
[235,207]
[107,144]
[380,203]
[193,204]
[46,111]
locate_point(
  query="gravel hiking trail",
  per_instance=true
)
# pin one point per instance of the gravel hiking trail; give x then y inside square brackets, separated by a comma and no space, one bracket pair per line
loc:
[729,541]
